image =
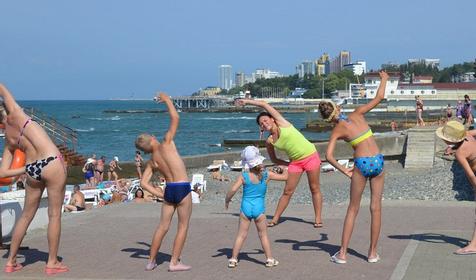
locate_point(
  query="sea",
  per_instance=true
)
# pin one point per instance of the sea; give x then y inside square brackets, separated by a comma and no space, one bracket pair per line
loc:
[107,133]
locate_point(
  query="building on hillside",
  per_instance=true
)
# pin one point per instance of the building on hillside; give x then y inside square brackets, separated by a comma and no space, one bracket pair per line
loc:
[225,77]
[358,68]
[209,91]
[434,62]
[265,73]
[240,79]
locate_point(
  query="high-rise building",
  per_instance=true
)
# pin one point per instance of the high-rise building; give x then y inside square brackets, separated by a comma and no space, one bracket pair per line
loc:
[240,79]
[305,68]
[225,77]
[337,64]
[323,65]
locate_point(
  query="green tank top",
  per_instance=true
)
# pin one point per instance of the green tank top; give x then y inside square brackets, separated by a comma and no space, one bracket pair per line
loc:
[294,144]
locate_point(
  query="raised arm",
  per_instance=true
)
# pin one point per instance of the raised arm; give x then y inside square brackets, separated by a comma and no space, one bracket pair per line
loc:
[272,154]
[281,121]
[145,181]
[10,104]
[330,155]
[5,170]
[234,188]
[174,117]
[378,98]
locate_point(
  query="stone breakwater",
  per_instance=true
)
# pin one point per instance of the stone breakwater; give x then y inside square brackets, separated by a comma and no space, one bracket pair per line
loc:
[445,182]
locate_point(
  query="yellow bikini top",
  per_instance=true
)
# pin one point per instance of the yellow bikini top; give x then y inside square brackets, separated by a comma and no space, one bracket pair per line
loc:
[357,140]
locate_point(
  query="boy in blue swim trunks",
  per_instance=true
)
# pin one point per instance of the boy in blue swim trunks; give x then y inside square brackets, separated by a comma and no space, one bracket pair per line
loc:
[254,184]
[166,160]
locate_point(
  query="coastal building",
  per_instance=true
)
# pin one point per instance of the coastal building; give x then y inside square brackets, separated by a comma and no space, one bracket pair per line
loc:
[225,77]
[305,68]
[358,68]
[337,64]
[433,62]
[240,79]
[397,90]
[468,77]
[209,91]
[265,73]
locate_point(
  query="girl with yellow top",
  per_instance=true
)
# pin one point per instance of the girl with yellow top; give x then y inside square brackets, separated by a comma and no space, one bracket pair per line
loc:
[302,154]
[369,162]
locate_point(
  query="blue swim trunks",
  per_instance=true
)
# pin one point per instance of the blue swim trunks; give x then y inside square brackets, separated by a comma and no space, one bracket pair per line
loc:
[370,166]
[176,192]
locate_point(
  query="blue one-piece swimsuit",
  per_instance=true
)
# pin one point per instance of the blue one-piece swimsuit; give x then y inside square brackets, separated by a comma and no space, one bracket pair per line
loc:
[252,203]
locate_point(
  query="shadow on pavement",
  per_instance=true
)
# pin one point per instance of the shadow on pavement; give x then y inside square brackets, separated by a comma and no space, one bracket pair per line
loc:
[433,238]
[32,256]
[243,256]
[317,245]
[143,253]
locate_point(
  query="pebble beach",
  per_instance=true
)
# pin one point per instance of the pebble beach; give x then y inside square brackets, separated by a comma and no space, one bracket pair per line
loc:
[446,181]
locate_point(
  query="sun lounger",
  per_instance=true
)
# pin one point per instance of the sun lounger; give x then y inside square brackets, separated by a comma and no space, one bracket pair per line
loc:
[216,164]
[237,166]
[328,167]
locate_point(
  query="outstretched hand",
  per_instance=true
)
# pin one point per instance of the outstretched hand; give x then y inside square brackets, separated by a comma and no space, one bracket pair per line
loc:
[161,97]
[383,75]
[240,102]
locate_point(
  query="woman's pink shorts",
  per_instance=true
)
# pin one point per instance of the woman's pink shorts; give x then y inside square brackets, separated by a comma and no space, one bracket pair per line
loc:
[309,163]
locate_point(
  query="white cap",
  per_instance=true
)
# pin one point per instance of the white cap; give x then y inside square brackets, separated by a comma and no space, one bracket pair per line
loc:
[250,157]
[90,160]
[116,158]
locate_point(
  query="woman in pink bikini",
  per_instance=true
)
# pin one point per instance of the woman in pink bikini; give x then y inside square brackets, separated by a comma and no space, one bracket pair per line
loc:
[302,154]
[45,168]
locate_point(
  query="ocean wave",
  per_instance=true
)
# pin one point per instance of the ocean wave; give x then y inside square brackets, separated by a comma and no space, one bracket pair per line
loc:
[115,118]
[239,131]
[229,118]
[84,130]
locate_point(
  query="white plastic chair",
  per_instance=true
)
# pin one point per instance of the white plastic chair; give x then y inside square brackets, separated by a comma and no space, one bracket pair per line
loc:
[200,180]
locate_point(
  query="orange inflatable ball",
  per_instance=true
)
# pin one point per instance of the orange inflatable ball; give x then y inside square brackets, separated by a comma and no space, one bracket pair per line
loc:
[18,161]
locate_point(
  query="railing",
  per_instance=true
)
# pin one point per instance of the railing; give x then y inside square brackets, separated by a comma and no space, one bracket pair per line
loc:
[60,133]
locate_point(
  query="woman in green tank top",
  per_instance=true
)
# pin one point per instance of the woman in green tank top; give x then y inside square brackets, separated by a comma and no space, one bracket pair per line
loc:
[302,154]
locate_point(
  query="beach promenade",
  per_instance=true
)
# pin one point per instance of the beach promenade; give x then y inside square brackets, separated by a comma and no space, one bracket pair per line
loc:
[417,242]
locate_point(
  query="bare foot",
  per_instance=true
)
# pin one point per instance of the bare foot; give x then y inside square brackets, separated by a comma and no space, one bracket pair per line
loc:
[468,250]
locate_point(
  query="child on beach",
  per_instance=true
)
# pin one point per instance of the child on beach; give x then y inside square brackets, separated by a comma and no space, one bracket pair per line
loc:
[369,162]
[254,184]
[166,159]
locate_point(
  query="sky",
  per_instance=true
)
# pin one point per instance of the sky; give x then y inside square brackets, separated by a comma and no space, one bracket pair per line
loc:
[101,49]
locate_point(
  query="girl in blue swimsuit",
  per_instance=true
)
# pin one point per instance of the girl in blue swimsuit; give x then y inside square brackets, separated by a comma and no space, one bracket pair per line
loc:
[254,184]
[369,162]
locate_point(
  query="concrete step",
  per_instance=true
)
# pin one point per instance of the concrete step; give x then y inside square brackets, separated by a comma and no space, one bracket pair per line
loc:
[420,152]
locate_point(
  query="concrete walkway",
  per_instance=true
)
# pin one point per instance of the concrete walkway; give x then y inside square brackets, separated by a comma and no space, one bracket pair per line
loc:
[417,242]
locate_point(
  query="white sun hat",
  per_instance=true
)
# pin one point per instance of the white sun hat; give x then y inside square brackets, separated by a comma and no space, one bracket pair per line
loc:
[116,158]
[250,157]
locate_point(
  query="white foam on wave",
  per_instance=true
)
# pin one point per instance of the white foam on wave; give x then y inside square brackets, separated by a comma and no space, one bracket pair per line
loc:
[84,130]
[115,118]
[229,118]
[239,131]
